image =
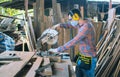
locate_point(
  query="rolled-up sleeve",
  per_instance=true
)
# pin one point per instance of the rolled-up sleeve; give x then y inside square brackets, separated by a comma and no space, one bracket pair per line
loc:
[83,31]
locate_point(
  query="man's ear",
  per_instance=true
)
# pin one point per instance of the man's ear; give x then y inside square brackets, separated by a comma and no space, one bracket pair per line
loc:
[75,17]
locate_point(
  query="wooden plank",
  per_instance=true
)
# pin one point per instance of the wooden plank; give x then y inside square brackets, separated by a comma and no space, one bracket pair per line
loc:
[55,14]
[111,65]
[60,70]
[99,44]
[70,66]
[37,63]
[39,17]
[60,19]
[11,69]
[99,30]
[28,36]
[67,37]
[42,19]
[47,71]
[26,7]
[35,19]
[32,32]
[111,16]
[61,37]
[117,71]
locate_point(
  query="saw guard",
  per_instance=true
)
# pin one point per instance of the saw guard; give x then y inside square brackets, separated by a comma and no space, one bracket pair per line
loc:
[51,36]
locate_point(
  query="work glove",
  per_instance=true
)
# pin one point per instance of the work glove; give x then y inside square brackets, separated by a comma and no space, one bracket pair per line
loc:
[53,51]
[56,26]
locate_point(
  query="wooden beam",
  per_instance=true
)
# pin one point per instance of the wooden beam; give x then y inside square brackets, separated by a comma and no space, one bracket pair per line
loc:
[42,19]
[35,20]
[55,14]
[60,19]
[32,32]
[35,66]
[26,8]
[37,17]
[28,35]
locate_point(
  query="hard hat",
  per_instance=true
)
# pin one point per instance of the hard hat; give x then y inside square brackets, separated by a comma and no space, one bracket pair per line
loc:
[75,14]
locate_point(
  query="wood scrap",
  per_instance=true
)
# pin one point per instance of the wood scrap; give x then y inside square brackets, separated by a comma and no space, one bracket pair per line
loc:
[60,70]
[48,70]
[55,58]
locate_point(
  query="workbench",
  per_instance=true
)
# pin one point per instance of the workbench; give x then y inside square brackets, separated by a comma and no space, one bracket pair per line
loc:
[14,67]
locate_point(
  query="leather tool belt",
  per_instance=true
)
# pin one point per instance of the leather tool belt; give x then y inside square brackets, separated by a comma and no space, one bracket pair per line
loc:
[83,61]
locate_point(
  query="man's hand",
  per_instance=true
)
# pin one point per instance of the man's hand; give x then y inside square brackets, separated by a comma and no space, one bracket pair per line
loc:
[53,51]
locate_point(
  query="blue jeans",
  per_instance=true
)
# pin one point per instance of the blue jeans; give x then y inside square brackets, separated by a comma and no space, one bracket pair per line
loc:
[87,73]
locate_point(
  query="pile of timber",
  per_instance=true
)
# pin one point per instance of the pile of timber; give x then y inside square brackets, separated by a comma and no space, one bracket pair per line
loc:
[50,67]
[5,23]
[108,51]
[27,64]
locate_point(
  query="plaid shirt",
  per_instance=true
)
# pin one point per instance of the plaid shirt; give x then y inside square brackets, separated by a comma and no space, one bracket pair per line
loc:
[85,38]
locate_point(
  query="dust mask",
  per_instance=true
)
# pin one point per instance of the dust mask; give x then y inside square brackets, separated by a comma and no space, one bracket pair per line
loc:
[74,23]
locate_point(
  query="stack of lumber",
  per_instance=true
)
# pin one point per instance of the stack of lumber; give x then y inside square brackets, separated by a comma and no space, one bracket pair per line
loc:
[46,67]
[27,64]
[5,23]
[108,51]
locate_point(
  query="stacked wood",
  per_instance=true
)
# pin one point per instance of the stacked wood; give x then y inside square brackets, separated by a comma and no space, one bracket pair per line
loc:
[108,51]
[57,69]
[29,40]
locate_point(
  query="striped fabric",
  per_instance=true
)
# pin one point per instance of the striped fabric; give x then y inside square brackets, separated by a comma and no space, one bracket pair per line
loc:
[85,39]
[6,43]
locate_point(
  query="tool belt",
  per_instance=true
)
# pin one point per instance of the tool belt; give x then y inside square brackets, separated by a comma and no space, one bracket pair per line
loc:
[83,61]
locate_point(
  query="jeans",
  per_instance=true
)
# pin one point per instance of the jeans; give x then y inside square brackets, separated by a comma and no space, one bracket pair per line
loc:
[80,72]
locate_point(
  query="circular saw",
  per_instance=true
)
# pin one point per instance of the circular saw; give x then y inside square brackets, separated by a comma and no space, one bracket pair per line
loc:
[49,36]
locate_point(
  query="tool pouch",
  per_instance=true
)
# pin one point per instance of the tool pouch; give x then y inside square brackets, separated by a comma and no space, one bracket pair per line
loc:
[83,61]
